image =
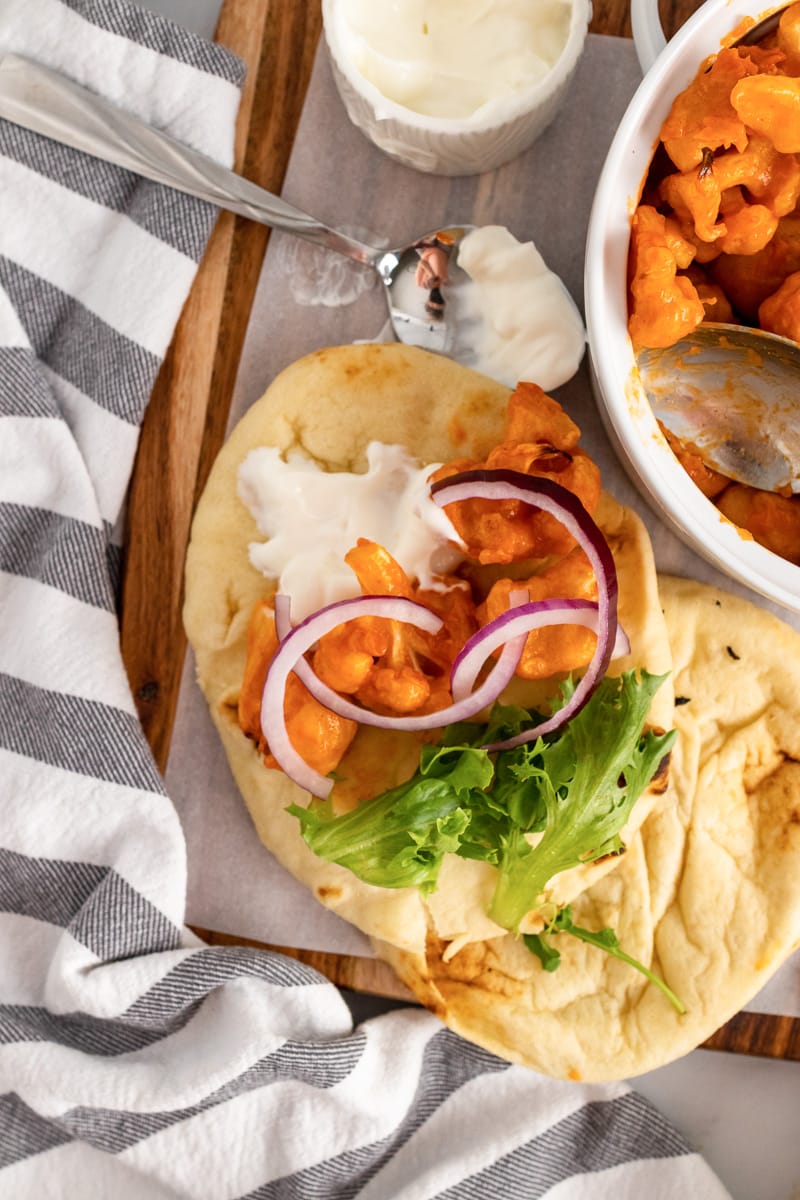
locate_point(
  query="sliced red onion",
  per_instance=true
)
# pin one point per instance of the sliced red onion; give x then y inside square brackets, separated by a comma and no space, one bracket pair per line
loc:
[370,606]
[562,504]
[289,657]
[522,620]
[283,615]
[509,630]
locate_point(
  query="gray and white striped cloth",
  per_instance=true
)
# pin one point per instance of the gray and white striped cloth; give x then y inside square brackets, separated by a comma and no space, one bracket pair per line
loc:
[134,1061]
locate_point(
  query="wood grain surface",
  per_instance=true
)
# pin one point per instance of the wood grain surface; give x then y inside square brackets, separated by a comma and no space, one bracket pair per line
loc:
[360,974]
[188,412]
[185,421]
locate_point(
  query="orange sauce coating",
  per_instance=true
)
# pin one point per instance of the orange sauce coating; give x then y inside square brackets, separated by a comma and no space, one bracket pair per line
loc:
[716,236]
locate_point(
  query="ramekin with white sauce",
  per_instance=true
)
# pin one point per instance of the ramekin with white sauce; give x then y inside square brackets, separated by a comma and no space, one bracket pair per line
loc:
[454,87]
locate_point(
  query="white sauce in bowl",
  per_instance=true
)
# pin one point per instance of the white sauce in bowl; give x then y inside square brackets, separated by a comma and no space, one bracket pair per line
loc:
[454,59]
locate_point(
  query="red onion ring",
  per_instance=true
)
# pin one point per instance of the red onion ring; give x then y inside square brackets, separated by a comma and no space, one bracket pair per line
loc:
[509,630]
[518,620]
[551,497]
[290,653]
[501,675]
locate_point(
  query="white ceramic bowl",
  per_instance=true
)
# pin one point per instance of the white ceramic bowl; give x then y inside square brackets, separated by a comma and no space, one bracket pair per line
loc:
[452,146]
[621,399]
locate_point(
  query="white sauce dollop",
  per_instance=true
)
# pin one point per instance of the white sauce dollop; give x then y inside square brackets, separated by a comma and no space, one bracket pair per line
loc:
[527,326]
[313,517]
[454,58]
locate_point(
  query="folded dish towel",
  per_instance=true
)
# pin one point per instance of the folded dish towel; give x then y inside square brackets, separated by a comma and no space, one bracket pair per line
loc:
[134,1061]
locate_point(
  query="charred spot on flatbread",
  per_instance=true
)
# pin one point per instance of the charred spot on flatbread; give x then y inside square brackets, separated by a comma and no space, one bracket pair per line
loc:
[660,781]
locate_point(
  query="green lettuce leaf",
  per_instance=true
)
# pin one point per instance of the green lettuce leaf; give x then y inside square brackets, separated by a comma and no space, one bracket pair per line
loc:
[572,791]
[588,780]
[400,838]
[603,939]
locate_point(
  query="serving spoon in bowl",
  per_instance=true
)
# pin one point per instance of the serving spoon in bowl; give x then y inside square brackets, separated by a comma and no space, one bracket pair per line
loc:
[419,279]
[731,391]
[733,394]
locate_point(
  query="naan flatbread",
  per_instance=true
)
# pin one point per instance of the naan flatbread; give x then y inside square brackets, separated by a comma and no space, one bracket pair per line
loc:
[331,404]
[707,894]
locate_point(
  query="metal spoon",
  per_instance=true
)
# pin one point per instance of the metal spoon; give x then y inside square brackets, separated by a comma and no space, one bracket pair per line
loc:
[734,394]
[730,391]
[419,303]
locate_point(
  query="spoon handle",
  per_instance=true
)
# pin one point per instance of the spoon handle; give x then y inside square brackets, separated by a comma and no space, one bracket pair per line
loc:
[50,104]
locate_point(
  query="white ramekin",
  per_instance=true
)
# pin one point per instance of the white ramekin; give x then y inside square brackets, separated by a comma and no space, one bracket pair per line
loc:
[621,399]
[453,146]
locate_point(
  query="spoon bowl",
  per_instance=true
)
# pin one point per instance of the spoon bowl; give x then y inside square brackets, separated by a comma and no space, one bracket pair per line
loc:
[733,394]
[422,284]
[420,279]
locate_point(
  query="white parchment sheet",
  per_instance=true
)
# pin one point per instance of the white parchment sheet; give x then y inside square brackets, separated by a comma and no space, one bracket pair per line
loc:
[235,885]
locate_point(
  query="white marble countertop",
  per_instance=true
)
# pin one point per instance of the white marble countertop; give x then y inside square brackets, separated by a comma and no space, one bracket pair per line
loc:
[740,1112]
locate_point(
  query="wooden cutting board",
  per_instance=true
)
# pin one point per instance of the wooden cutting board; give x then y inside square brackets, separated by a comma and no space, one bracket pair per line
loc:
[186,420]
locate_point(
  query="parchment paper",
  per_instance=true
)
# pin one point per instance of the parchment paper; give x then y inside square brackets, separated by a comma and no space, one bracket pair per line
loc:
[234,884]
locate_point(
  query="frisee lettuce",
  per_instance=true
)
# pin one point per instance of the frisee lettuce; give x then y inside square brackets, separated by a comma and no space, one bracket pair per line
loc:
[400,838]
[604,939]
[588,780]
[575,788]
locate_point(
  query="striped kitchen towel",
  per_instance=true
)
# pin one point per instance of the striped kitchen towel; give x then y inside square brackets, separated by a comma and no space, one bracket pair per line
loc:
[136,1062]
